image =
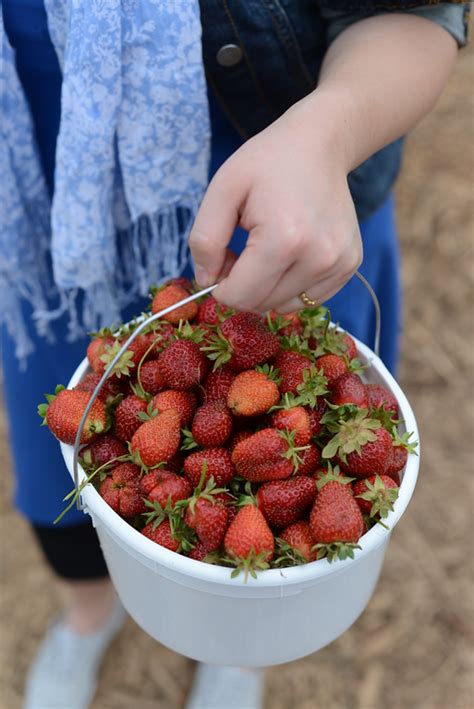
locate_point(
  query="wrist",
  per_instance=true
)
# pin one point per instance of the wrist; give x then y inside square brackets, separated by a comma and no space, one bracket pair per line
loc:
[325,120]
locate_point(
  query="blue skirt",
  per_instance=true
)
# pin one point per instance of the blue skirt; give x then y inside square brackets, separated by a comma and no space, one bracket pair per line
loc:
[41,480]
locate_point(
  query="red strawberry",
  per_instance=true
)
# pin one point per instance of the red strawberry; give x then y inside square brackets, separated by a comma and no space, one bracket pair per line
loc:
[397,462]
[157,440]
[210,312]
[199,552]
[298,535]
[287,324]
[161,535]
[218,465]
[101,451]
[95,350]
[137,349]
[316,414]
[182,282]
[349,389]
[226,499]
[129,360]
[261,456]
[252,393]
[183,402]
[374,456]
[183,365]
[351,351]
[295,418]
[160,337]
[161,485]
[169,295]
[285,501]
[209,520]
[244,342]
[63,412]
[217,384]
[239,436]
[375,495]
[127,419]
[249,539]
[379,397]
[212,425]
[336,522]
[122,490]
[108,390]
[331,366]
[310,459]
[151,377]
[291,367]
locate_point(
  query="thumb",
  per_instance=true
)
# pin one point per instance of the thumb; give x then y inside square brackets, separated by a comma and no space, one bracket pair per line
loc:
[213,228]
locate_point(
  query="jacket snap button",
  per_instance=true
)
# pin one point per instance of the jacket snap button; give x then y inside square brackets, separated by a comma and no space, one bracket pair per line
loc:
[229,55]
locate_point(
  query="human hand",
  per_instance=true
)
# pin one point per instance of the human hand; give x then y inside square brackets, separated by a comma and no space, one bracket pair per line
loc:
[287,187]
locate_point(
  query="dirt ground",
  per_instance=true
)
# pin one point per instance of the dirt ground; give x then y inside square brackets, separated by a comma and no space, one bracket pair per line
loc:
[412,648]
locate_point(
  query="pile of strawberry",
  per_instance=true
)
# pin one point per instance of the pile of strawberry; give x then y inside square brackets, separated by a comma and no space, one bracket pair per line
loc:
[235,439]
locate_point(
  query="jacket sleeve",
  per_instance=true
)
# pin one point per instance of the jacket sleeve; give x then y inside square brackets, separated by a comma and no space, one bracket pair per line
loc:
[452,16]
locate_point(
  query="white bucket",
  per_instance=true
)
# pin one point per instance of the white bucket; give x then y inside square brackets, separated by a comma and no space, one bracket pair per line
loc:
[198,610]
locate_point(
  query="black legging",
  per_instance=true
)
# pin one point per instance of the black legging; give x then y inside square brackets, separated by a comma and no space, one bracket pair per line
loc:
[74,553]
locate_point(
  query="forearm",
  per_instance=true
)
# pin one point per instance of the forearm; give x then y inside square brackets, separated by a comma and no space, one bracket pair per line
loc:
[378,79]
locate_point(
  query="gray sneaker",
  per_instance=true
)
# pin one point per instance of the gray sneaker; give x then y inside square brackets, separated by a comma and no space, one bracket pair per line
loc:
[64,673]
[217,687]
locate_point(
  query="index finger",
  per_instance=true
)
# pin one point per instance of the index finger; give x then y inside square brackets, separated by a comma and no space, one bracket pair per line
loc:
[213,229]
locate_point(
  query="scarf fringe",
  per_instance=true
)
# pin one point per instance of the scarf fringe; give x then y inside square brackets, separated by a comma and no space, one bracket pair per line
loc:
[151,251]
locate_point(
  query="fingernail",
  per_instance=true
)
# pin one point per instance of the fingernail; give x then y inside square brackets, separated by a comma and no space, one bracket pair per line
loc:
[202,276]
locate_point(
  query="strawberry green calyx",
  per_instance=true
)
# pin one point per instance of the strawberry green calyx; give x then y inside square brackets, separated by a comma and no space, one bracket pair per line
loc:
[333,475]
[314,385]
[188,440]
[380,497]
[247,497]
[336,413]
[351,435]
[275,322]
[287,555]
[331,341]
[179,529]
[296,343]
[105,332]
[149,414]
[207,493]
[315,321]
[218,350]
[336,550]
[186,331]
[386,418]
[288,401]
[125,364]
[157,514]
[270,372]
[404,440]
[293,451]
[354,365]
[249,565]
[43,408]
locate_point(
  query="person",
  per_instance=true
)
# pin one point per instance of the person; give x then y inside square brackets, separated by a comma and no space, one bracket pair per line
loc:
[307,105]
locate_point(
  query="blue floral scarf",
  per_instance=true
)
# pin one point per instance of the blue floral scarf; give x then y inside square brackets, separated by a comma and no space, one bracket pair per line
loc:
[131,164]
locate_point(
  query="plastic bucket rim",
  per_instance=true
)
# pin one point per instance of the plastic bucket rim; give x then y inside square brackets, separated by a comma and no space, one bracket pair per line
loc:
[210,573]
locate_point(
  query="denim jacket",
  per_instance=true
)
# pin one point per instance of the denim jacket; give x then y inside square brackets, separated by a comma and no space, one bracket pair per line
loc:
[262,56]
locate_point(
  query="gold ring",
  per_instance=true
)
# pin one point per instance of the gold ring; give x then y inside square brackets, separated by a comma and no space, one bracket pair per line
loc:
[306,300]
